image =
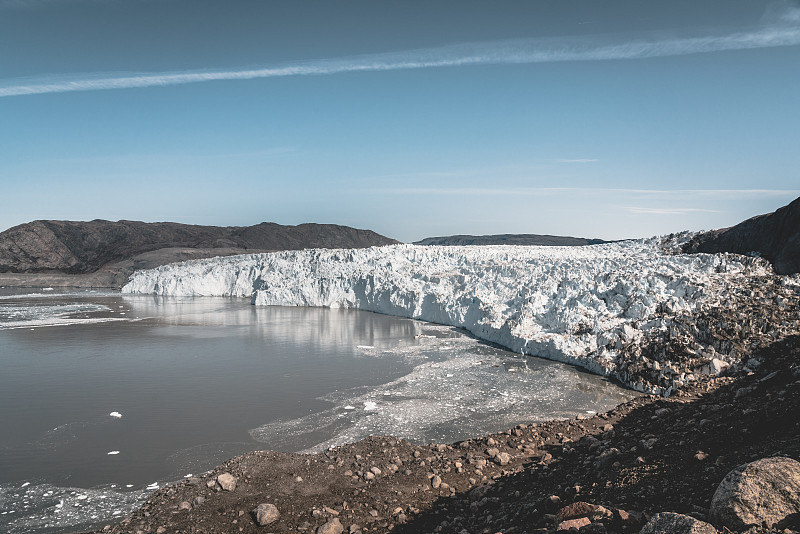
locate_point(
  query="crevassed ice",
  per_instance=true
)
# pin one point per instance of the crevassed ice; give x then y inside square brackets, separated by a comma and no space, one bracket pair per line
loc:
[561,303]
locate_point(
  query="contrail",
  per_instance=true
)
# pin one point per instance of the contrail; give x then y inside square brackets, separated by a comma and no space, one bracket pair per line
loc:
[521,51]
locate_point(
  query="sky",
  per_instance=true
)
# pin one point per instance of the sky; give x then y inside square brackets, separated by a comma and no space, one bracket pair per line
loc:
[607,119]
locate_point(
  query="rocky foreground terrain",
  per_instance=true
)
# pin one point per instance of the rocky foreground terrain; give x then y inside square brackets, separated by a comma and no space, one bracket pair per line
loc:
[105,253]
[615,472]
[718,451]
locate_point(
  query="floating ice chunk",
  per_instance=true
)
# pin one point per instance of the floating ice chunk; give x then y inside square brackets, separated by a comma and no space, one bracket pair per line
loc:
[153,486]
[25,485]
[187,476]
[128,485]
[348,407]
[370,406]
[113,452]
[365,346]
[115,414]
[47,289]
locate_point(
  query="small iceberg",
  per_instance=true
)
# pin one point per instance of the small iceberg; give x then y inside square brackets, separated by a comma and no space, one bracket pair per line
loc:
[116,415]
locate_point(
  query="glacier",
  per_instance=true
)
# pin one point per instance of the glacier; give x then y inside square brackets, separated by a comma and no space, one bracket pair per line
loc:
[579,305]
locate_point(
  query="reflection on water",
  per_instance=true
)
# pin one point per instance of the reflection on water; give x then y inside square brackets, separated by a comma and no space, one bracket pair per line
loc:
[198,380]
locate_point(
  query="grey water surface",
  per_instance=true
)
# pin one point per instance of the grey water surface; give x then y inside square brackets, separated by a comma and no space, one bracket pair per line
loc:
[104,397]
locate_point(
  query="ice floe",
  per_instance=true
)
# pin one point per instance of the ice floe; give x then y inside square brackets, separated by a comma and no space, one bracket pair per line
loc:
[48,508]
[457,389]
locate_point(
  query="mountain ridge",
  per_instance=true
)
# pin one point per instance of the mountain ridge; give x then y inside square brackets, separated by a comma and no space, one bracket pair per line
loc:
[775,236]
[83,247]
[509,239]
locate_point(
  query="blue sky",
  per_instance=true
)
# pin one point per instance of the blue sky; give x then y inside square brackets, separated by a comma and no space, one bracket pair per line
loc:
[605,119]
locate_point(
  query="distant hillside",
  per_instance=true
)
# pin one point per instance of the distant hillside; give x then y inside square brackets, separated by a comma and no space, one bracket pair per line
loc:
[775,236]
[74,247]
[510,239]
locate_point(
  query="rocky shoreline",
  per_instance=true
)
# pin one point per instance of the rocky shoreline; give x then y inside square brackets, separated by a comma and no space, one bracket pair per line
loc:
[609,473]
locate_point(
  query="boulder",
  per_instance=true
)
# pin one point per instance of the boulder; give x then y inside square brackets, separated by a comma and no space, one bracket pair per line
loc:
[579,509]
[334,526]
[266,514]
[671,523]
[227,481]
[762,492]
[565,526]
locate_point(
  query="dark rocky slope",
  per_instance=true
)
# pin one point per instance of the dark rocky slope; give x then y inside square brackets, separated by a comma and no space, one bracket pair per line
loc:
[73,247]
[775,236]
[510,239]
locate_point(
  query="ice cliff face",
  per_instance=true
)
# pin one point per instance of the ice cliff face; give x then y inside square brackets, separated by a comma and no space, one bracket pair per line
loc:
[580,305]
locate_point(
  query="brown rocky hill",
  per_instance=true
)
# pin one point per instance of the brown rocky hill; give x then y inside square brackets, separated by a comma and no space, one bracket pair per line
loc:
[74,247]
[775,236]
[510,239]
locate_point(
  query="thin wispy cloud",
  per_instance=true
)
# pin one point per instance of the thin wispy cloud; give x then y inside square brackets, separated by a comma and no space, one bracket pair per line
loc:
[668,211]
[540,191]
[34,4]
[783,31]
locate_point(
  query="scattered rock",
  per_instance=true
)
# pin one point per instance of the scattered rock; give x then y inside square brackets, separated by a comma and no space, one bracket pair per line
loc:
[502,458]
[573,523]
[266,514]
[671,523]
[762,492]
[579,509]
[334,526]
[226,481]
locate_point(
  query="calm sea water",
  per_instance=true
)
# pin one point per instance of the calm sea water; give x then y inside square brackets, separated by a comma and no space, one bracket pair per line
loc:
[105,397]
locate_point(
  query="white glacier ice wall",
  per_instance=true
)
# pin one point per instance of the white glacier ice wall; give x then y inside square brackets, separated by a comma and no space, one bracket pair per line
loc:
[573,304]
